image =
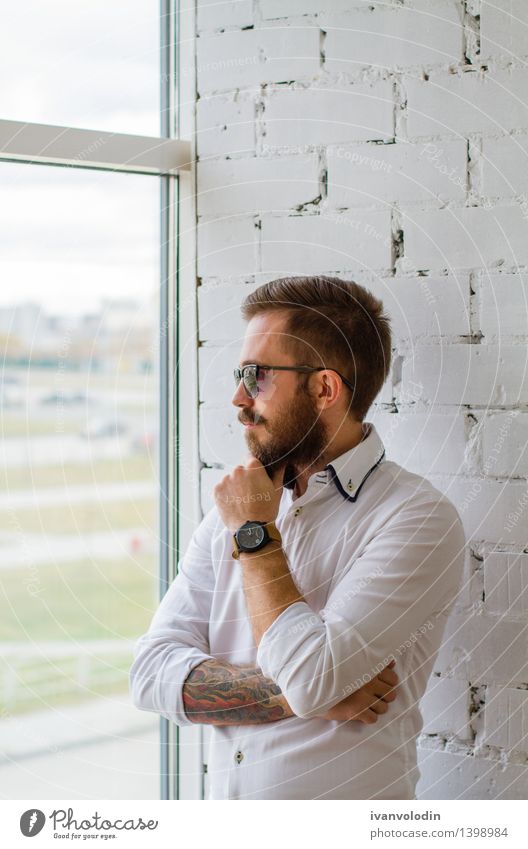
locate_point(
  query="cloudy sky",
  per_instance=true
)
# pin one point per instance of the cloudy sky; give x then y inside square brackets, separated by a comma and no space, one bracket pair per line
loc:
[69,237]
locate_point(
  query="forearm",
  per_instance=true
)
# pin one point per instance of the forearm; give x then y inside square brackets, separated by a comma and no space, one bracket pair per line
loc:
[219,693]
[268,586]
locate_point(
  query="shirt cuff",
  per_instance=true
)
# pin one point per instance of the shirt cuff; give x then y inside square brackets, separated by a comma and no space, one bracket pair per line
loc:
[273,650]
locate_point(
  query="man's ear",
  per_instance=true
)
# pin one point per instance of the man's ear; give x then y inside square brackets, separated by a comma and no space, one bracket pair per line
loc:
[329,388]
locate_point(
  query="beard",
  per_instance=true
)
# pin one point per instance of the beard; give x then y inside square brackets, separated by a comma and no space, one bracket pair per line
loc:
[296,437]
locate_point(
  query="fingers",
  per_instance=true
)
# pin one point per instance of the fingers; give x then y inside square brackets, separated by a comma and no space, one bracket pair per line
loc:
[388,676]
[379,707]
[384,691]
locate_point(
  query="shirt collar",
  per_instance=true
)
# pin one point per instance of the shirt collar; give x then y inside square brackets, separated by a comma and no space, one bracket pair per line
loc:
[350,470]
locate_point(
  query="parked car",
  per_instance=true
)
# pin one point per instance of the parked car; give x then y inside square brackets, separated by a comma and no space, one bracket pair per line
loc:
[103,429]
[65,398]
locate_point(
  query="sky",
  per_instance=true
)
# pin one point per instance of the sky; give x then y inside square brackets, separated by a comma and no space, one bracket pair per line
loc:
[69,237]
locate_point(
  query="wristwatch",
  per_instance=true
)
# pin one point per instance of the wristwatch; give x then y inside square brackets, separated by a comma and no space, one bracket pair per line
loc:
[253,535]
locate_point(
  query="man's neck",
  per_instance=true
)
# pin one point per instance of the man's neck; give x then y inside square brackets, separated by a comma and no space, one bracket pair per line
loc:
[338,445]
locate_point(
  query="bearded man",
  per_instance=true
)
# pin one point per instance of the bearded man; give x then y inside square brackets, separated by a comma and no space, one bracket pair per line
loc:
[310,605]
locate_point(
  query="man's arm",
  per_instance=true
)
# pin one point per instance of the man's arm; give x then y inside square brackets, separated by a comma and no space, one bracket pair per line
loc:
[401,587]
[219,693]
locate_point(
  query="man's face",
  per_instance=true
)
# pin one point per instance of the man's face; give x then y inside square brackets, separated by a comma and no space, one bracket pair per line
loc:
[283,426]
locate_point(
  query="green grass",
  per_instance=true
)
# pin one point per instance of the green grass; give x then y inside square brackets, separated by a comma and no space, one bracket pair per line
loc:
[72,603]
[78,601]
[81,518]
[132,468]
[16,425]
[42,683]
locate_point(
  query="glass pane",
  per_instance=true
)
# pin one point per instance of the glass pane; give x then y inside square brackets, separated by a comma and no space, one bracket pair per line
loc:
[79,479]
[92,65]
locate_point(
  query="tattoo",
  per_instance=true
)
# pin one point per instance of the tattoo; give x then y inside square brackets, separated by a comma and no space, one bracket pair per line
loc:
[217,693]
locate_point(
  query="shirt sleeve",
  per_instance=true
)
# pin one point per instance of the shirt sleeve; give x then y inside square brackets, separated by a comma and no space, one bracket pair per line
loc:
[409,572]
[178,636]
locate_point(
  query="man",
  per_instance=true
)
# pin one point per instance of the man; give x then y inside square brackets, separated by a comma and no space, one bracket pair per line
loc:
[321,570]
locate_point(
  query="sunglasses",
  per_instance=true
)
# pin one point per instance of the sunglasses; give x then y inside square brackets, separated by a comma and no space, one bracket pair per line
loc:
[252,375]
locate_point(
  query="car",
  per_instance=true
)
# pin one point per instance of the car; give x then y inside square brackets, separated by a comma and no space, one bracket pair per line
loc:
[103,429]
[65,398]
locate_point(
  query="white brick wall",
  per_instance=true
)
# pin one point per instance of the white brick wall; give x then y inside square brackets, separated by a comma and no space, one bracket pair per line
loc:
[504,25]
[386,37]
[502,301]
[373,140]
[506,584]
[301,244]
[294,117]
[256,185]
[366,175]
[445,708]
[506,719]
[470,102]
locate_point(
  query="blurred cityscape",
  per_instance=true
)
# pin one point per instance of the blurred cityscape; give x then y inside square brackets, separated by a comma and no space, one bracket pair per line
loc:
[78,522]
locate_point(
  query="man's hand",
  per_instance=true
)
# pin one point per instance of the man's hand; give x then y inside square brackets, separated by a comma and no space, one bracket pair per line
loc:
[368,702]
[247,493]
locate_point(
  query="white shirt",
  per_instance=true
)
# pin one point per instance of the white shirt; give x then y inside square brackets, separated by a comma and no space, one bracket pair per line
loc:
[377,553]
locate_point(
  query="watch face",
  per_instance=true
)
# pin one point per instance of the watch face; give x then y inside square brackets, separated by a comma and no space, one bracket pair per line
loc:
[250,537]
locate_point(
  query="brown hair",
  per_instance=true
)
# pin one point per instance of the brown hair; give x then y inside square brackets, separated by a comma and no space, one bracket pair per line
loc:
[331,323]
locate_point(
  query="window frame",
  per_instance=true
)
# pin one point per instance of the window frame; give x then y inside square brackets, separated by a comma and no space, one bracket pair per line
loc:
[168,157]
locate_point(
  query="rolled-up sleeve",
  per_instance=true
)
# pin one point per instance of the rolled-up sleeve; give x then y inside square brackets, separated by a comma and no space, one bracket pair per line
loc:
[178,636]
[408,573]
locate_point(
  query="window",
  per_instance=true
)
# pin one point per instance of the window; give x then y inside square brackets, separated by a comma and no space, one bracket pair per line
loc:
[89,335]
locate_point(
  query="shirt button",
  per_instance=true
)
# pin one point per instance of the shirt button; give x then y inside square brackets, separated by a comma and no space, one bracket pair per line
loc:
[239,756]
[298,511]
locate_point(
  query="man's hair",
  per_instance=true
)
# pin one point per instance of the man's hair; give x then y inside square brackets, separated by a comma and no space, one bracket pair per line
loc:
[332,323]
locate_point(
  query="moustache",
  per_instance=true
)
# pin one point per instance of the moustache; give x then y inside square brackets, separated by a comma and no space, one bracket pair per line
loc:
[247,420]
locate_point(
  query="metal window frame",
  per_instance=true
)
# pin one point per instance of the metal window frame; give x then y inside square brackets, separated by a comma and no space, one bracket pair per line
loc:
[169,157]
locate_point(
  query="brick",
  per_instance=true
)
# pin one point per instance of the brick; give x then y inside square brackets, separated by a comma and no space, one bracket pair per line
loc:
[208,480]
[273,9]
[484,649]
[227,247]
[470,237]
[494,511]
[467,374]
[225,125]
[215,368]
[396,37]
[425,306]
[504,451]
[219,317]
[446,775]
[364,175]
[317,116]
[222,438]
[445,708]
[505,719]
[247,58]
[212,14]
[424,443]
[503,305]
[504,167]
[256,185]
[471,102]
[311,244]
[506,583]
[504,29]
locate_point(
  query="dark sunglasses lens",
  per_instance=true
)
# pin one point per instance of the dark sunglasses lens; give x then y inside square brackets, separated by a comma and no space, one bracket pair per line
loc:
[250,382]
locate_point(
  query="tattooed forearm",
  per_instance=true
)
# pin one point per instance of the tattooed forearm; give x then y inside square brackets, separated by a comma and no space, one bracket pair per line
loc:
[218,693]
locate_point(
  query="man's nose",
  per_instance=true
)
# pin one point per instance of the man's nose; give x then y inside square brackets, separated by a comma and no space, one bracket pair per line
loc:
[241,398]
